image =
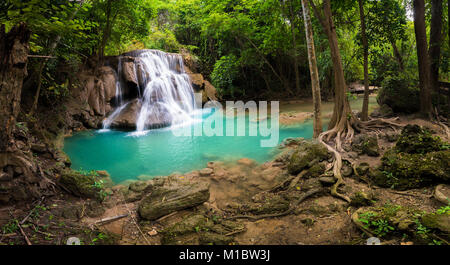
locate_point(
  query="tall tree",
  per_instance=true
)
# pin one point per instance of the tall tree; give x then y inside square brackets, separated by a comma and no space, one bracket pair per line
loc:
[435,41]
[422,56]
[342,117]
[294,45]
[14,49]
[365,107]
[315,86]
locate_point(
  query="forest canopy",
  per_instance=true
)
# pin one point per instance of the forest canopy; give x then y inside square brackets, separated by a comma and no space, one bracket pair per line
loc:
[247,48]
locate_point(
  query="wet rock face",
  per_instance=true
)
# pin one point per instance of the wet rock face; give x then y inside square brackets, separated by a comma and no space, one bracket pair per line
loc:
[366,144]
[307,154]
[173,196]
[127,117]
[94,98]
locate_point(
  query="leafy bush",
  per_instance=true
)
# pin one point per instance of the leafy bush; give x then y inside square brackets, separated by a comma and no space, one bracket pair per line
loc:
[224,73]
[399,92]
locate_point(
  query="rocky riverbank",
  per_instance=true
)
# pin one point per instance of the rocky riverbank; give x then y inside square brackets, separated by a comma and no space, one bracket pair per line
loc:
[398,182]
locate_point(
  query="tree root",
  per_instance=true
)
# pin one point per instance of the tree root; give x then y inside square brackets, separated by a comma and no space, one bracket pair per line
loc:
[337,165]
[346,130]
[440,123]
[359,224]
[288,211]
[287,182]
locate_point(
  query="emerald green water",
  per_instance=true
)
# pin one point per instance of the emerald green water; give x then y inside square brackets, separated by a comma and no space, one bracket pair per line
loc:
[160,152]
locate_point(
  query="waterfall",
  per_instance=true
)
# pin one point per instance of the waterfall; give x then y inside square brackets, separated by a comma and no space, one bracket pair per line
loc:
[167,97]
[107,122]
[119,95]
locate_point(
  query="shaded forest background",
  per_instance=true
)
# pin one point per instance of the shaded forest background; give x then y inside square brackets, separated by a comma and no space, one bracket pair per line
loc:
[247,48]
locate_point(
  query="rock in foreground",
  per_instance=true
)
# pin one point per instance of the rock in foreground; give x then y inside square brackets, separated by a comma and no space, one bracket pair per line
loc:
[173,197]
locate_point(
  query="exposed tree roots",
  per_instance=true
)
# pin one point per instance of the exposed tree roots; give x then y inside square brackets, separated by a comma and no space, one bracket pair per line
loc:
[344,131]
[442,124]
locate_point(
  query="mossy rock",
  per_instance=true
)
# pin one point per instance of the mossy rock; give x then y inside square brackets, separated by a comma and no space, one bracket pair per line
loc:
[407,171]
[271,204]
[361,198]
[316,170]
[437,221]
[384,221]
[366,144]
[417,140]
[362,168]
[307,154]
[82,185]
[177,196]
[399,93]
[207,238]
[189,225]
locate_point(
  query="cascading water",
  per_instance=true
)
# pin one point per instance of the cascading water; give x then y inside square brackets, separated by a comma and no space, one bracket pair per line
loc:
[118,99]
[168,96]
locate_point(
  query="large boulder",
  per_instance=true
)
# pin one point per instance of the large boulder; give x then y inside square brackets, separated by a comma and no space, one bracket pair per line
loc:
[417,140]
[399,93]
[437,221]
[307,154]
[173,196]
[128,116]
[158,116]
[407,171]
[418,159]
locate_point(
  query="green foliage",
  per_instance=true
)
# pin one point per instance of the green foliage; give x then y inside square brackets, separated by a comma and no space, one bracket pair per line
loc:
[11,227]
[399,92]
[224,73]
[373,222]
[417,140]
[444,210]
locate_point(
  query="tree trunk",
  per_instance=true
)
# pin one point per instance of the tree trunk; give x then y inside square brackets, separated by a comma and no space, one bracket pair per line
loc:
[398,56]
[342,113]
[422,55]
[313,70]
[13,69]
[294,48]
[435,42]
[365,107]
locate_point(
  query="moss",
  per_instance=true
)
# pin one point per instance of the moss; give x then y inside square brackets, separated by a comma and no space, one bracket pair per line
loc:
[316,170]
[406,171]
[85,185]
[362,168]
[208,238]
[272,204]
[189,225]
[399,93]
[389,221]
[417,140]
[362,199]
[366,144]
[437,221]
[306,155]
